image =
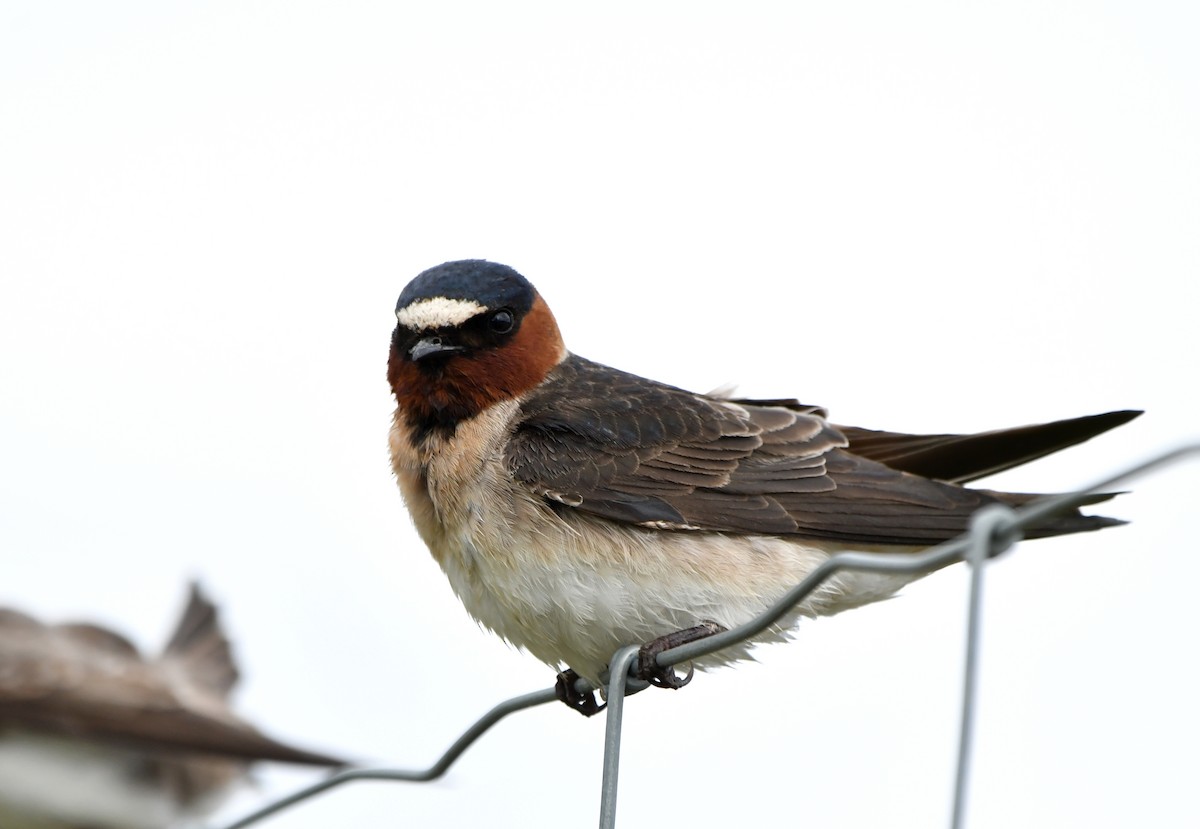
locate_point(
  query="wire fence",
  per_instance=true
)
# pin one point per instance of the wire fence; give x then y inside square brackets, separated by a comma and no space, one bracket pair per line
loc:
[993,530]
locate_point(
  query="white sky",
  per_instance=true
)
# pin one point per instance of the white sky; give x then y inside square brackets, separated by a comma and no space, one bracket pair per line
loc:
[926,216]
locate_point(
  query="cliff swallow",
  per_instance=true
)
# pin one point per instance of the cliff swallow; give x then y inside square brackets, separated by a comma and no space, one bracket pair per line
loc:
[94,735]
[577,509]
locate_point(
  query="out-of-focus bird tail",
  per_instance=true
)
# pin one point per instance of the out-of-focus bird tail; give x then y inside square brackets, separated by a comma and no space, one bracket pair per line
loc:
[200,645]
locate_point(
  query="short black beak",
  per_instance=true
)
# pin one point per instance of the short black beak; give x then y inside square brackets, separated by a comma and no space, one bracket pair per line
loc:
[431,347]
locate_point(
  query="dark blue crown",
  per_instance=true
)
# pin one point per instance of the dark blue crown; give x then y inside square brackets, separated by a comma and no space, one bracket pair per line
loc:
[490,284]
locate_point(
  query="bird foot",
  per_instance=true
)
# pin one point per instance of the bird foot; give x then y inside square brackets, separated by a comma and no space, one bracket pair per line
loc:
[585,702]
[647,664]
[647,669]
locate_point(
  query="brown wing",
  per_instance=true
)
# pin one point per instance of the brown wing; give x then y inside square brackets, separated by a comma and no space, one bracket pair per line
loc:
[625,448]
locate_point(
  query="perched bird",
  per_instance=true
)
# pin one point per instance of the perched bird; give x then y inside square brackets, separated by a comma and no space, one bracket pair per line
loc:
[577,509]
[94,735]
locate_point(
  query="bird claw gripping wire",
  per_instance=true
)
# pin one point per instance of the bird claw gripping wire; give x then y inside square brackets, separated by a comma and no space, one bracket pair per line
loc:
[582,701]
[646,669]
[647,661]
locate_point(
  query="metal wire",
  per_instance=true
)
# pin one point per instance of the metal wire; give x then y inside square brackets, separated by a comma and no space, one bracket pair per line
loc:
[992,531]
[987,535]
[418,776]
[619,684]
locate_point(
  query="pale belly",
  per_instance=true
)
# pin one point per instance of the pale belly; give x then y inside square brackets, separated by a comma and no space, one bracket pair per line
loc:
[574,589]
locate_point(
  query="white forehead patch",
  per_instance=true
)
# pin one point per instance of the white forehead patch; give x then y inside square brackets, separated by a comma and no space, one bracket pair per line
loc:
[437,312]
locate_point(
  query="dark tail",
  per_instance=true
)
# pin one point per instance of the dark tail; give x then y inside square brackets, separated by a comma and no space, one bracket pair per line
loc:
[201,646]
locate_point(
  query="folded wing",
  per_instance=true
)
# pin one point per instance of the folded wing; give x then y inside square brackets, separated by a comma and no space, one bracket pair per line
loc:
[616,445]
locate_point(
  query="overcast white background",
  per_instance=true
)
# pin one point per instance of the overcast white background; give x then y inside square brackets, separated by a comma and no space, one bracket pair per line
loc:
[925,216]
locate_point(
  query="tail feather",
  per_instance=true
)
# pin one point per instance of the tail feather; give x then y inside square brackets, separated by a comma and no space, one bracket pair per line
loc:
[1070,522]
[200,645]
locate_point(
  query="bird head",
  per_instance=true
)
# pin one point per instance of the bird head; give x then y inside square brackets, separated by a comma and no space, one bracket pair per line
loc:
[469,334]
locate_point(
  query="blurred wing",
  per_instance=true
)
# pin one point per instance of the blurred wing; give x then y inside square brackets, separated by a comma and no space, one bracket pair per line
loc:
[84,681]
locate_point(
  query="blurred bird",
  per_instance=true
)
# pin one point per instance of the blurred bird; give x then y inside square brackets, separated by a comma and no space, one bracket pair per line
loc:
[576,508]
[92,734]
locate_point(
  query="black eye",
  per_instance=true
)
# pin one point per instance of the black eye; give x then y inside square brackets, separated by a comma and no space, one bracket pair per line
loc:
[501,322]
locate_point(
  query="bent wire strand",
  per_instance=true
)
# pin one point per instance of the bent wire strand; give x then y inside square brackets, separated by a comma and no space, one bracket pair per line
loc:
[991,532]
[1000,526]
[418,776]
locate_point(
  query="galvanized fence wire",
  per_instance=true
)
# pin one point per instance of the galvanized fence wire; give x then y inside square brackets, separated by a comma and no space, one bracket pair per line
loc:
[993,530]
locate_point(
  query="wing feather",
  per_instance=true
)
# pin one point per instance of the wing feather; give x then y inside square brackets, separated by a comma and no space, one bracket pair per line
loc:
[632,450]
